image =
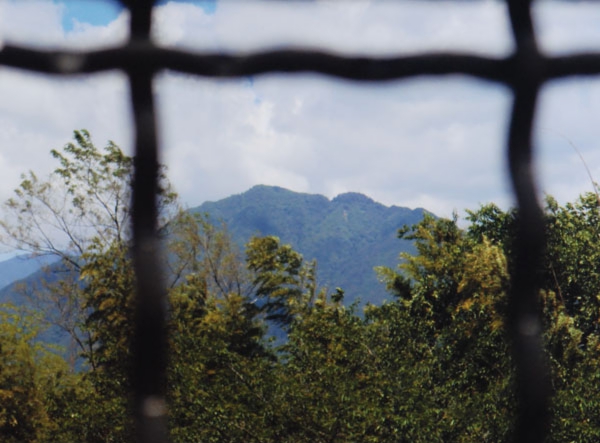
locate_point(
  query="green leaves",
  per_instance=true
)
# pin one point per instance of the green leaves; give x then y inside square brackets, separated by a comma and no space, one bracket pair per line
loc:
[570,289]
[29,374]
[283,283]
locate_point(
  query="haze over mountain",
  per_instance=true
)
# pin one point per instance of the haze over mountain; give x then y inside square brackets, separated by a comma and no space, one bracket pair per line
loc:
[347,235]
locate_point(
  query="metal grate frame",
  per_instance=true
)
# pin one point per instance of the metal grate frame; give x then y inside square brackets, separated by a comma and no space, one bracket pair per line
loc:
[524,71]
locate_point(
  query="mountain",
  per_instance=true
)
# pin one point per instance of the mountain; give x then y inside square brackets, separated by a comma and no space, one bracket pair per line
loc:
[347,235]
[22,266]
[26,273]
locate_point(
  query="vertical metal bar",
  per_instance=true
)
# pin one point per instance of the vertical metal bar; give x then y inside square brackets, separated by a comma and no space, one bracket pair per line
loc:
[150,342]
[149,377]
[141,18]
[525,326]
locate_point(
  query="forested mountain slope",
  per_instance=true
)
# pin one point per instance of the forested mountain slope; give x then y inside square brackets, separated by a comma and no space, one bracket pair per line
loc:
[347,235]
[21,266]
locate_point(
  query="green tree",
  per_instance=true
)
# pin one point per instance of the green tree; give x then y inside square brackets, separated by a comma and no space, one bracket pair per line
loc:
[222,376]
[217,372]
[572,259]
[27,372]
[283,282]
[196,249]
[85,198]
[570,294]
[327,386]
[572,253]
[82,206]
[80,213]
[108,291]
[451,301]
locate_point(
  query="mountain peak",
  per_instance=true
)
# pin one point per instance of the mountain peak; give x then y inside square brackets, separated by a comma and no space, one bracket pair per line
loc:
[352,198]
[268,188]
[347,235]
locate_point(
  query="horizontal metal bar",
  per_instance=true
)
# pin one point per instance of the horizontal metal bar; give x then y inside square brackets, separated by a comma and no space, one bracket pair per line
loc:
[149,57]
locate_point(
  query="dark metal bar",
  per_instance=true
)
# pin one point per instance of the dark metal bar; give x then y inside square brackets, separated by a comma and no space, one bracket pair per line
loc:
[150,340]
[522,24]
[150,343]
[573,65]
[140,55]
[524,310]
[141,18]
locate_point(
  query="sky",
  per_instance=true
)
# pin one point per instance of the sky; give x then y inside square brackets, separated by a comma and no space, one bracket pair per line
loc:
[436,143]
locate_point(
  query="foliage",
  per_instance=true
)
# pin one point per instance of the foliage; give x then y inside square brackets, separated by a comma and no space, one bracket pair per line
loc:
[327,386]
[282,281]
[109,303]
[85,198]
[572,259]
[570,293]
[572,253]
[27,371]
[205,253]
[451,301]
[82,206]
[215,378]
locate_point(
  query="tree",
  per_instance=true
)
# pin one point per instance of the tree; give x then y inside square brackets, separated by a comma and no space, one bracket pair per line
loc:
[572,253]
[570,290]
[27,372]
[328,382]
[196,249]
[223,378]
[450,307]
[283,283]
[85,198]
[81,214]
[83,205]
[572,259]
[218,369]
[451,304]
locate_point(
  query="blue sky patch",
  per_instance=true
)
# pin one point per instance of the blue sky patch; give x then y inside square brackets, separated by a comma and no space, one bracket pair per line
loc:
[209,6]
[96,13]
[102,12]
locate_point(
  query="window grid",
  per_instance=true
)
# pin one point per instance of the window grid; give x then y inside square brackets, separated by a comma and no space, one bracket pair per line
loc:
[524,71]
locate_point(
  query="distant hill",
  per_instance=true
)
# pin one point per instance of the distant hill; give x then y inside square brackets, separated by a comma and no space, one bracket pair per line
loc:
[348,235]
[21,266]
[35,271]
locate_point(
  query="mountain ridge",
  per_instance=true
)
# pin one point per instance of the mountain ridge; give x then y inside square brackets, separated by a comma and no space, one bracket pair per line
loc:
[347,235]
[22,266]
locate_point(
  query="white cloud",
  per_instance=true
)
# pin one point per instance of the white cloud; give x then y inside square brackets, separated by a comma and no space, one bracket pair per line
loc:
[436,143]
[364,27]
[38,114]
[564,27]
[34,22]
